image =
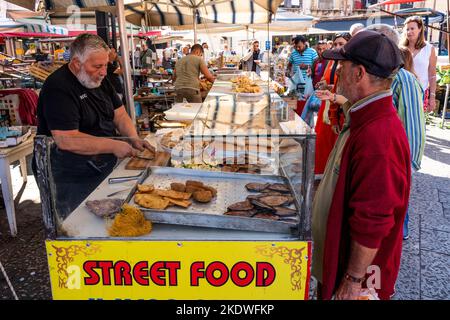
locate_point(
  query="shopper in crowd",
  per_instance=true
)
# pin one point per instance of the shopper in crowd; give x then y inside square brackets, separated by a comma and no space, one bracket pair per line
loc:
[114,73]
[58,54]
[176,54]
[254,58]
[166,62]
[318,67]
[408,100]
[147,57]
[80,109]
[66,54]
[137,57]
[186,75]
[206,52]
[355,28]
[329,118]
[330,44]
[185,51]
[424,56]
[41,56]
[226,52]
[360,204]
[302,57]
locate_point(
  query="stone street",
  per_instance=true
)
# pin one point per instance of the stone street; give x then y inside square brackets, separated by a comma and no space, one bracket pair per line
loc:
[425,266]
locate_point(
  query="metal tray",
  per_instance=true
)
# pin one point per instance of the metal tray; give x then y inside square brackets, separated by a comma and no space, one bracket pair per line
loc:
[230,189]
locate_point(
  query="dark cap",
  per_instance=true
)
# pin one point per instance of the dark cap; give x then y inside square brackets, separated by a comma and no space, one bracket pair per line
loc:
[376,52]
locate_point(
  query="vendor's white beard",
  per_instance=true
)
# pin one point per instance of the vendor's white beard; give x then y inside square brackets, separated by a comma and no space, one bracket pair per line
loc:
[87,81]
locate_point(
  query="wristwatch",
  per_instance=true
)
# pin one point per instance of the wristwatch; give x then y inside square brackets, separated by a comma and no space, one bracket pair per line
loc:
[354,279]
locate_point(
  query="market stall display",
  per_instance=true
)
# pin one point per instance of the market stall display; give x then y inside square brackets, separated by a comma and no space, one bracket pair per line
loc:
[41,70]
[193,206]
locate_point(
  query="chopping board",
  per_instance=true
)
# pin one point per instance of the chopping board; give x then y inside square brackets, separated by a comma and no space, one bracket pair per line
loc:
[161,159]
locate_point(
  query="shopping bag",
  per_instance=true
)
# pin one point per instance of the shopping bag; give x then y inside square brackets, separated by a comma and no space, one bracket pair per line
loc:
[298,77]
[309,88]
[312,105]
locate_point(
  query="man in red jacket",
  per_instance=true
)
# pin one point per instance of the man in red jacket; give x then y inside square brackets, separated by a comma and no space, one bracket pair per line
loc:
[360,205]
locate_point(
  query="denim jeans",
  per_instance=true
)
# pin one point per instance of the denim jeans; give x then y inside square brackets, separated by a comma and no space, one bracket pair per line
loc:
[405,224]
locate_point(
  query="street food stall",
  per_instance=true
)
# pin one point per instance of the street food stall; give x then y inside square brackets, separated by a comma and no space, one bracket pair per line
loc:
[221,210]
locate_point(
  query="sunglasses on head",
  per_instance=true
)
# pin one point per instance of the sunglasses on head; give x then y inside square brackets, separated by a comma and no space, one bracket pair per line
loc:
[415,19]
[346,35]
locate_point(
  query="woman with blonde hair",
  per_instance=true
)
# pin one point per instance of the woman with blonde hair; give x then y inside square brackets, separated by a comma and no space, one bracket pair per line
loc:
[424,57]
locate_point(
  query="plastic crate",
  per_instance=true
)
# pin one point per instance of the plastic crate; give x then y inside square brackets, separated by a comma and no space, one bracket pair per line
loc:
[10,104]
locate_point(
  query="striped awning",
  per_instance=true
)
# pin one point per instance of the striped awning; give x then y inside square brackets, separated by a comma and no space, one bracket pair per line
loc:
[33,27]
[27,4]
[39,26]
[180,12]
[283,22]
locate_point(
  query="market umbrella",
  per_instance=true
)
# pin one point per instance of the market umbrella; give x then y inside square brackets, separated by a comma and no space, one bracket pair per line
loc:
[20,23]
[389,2]
[181,12]
[27,4]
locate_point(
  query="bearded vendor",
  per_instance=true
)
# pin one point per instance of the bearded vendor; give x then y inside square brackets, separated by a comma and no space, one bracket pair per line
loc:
[81,110]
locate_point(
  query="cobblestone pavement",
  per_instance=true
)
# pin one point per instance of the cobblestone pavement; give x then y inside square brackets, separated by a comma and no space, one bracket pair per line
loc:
[425,268]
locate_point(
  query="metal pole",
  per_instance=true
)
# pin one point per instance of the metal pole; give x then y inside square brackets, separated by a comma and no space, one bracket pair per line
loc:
[444,109]
[113,30]
[132,49]
[126,62]
[448,29]
[194,15]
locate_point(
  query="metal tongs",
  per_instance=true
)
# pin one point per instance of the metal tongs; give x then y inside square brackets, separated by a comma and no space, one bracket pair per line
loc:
[144,174]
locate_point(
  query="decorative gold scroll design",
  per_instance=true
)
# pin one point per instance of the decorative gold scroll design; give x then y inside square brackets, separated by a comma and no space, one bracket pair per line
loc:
[66,255]
[292,257]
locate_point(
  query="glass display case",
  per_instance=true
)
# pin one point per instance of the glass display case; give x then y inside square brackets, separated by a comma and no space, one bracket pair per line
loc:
[240,175]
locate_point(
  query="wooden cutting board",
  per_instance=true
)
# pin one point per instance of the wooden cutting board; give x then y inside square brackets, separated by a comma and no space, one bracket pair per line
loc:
[161,159]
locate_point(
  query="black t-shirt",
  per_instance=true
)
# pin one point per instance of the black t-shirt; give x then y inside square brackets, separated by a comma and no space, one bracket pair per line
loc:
[255,57]
[65,104]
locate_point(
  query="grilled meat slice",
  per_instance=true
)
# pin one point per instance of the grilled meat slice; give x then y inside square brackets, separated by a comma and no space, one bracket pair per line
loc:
[253,197]
[262,206]
[241,206]
[275,201]
[105,207]
[256,187]
[285,212]
[248,213]
[266,216]
[279,187]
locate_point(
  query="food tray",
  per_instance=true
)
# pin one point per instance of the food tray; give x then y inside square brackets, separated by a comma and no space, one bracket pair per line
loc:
[230,189]
[247,94]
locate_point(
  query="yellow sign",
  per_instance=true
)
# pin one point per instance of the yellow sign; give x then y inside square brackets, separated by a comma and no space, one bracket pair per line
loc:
[185,270]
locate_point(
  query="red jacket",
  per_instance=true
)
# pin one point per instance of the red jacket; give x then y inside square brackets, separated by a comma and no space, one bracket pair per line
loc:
[371,195]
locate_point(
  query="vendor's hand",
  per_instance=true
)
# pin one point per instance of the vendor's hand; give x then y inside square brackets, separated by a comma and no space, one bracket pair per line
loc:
[303,66]
[309,72]
[142,144]
[335,128]
[122,149]
[348,290]
[324,95]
